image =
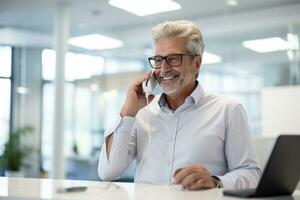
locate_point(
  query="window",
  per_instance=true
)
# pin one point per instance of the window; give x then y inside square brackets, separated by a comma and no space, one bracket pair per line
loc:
[5,61]
[48,123]
[78,66]
[94,95]
[5,90]
[77,103]
[117,66]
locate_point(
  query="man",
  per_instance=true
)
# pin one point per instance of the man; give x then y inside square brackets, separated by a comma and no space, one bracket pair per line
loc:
[198,139]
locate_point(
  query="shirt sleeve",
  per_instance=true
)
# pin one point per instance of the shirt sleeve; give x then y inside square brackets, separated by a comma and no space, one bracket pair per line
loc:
[243,169]
[122,152]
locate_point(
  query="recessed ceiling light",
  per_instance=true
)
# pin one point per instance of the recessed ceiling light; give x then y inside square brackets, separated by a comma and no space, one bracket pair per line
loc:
[95,42]
[266,45]
[145,7]
[232,2]
[210,58]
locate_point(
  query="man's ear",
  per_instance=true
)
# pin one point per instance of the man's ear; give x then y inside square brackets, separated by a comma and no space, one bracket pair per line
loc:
[198,61]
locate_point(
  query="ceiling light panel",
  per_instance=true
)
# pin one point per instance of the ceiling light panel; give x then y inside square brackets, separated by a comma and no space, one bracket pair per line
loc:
[145,7]
[266,45]
[95,42]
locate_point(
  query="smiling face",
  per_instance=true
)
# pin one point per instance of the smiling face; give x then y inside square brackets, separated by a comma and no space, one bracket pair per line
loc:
[179,80]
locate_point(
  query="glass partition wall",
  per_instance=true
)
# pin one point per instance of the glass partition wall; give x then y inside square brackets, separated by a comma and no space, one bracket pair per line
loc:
[5,90]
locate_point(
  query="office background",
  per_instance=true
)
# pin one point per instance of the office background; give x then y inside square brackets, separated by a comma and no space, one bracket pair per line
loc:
[264,77]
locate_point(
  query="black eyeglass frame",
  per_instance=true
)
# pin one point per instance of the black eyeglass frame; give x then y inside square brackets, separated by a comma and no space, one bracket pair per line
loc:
[166,58]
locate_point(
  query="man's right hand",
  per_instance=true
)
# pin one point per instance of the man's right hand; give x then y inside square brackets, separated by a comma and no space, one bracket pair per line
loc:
[136,99]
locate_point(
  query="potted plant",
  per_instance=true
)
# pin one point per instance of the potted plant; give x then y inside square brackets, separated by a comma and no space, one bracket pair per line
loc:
[14,152]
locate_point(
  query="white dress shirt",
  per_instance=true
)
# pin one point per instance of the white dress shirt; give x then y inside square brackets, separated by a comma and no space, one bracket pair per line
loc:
[207,129]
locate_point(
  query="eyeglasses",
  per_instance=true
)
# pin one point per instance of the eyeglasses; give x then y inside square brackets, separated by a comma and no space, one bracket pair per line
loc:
[173,60]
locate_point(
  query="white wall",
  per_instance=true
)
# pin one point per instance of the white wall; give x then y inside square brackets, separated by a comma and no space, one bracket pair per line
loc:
[280,110]
[280,115]
[263,146]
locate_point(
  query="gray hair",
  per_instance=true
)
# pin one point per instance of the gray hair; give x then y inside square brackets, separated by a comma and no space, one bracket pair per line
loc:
[181,28]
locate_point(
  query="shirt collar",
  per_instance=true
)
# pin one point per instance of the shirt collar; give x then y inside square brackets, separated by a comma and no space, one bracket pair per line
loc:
[195,97]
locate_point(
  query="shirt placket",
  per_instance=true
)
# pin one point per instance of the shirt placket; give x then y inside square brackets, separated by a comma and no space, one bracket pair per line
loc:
[172,135]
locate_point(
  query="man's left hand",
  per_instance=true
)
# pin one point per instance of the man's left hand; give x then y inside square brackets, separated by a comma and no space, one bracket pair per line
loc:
[194,177]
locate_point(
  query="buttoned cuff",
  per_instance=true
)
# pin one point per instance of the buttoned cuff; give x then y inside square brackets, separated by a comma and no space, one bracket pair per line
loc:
[226,182]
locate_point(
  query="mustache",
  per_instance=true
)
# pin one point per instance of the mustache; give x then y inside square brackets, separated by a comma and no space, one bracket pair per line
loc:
[168,74]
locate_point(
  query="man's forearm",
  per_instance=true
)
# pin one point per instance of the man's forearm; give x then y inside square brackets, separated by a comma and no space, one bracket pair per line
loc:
[241,178]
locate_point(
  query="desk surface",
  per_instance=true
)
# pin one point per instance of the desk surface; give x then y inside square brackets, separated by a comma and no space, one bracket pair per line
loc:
[46,189]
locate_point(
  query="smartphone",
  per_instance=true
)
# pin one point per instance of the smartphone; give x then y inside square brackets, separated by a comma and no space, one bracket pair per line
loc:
[149,85]
[71,189]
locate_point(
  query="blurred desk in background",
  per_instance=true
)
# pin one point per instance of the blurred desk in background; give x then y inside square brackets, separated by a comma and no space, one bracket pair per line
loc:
[85,168]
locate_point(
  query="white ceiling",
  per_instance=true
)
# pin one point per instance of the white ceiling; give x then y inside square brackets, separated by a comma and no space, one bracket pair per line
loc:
[224,27]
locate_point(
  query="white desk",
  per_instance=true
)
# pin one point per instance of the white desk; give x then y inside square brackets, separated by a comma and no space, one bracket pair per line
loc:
[46,189]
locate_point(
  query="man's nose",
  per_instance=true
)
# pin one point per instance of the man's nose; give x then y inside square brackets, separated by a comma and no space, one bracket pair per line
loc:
[165,66]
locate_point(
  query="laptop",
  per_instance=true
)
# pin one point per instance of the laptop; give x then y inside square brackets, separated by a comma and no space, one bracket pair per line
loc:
[282,172]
